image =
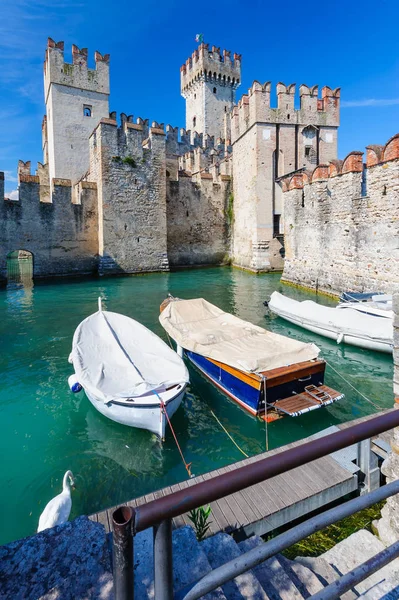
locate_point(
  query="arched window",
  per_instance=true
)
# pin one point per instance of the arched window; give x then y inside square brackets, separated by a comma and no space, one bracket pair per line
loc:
[214,90]
[86,110]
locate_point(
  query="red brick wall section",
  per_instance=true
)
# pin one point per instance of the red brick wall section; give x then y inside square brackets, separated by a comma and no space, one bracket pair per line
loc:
[353,163]
[296,182]
[334,168]
[374,155]
[391,149]
[320,172]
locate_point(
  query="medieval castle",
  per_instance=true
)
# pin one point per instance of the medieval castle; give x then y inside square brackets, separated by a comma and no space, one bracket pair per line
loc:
[134,197]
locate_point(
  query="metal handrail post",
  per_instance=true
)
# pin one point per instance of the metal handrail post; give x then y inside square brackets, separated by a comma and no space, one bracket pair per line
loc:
[163,561]
[122,553]
[358,574]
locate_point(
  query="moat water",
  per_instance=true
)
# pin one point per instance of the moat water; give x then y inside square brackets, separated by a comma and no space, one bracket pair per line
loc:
[46,429]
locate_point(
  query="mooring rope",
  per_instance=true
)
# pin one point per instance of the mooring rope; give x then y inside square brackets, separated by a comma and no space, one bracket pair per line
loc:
[354,388]
[227,433]
[186,464]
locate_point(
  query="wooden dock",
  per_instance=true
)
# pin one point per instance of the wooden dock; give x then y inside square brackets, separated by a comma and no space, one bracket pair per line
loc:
[268,505]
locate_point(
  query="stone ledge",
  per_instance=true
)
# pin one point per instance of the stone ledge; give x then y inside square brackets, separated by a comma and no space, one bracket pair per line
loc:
[62,182]
[225,177]
[29,179]
[156,131]
[88,185]
[134,126]
[106,121]
[206,176]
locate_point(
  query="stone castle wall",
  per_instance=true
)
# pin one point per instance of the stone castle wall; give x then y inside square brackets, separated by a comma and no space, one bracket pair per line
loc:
[198,219]
[130,170]
[342,223]
[61,235]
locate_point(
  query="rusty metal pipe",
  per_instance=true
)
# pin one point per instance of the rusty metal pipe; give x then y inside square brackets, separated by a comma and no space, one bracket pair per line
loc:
[207,491]
[122,553]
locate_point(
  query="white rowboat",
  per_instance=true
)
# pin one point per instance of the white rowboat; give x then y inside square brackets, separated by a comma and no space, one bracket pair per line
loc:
[127,372]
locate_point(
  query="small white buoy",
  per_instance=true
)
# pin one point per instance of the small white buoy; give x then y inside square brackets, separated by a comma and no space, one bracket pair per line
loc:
[340,338]
[74,384]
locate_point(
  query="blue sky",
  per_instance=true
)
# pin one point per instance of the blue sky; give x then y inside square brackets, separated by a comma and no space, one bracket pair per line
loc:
[352,45]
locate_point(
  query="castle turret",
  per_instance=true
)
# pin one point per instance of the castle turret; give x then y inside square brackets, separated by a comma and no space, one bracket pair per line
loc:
[208,80]
[76,100]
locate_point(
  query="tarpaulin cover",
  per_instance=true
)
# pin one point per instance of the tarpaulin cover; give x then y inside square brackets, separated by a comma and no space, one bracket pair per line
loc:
[201,327]
[116,357]
[346,321]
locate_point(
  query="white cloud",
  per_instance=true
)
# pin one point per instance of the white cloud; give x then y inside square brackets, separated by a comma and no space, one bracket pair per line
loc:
[14,195]
[9,176]
[370,102]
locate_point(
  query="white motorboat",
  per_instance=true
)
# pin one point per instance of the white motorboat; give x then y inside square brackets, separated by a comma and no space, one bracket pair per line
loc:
[349,325]
[379,305]
[127,372]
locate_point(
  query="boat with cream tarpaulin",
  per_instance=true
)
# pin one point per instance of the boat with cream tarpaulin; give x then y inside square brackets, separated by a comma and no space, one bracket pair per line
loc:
[127,372]
[269,375]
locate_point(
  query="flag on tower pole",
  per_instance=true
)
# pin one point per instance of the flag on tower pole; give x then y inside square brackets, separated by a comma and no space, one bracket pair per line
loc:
[199,37]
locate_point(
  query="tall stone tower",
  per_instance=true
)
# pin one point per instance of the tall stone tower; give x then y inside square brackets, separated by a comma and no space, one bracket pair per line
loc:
[76,100]
[208,82]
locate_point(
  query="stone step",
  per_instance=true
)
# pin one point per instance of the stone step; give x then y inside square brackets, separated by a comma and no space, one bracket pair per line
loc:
[355,550]
[189,563]
[304,579]
[324,572]
[220,549]
[271,574]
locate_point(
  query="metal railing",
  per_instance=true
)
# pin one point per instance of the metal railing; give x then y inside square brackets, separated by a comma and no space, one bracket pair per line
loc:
[159,513]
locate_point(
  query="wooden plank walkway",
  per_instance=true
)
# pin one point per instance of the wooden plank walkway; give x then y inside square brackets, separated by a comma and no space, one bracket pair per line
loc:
[267,505]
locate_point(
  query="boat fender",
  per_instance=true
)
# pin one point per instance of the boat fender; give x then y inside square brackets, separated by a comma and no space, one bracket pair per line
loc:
[74,384]
[70,360]
[340,338]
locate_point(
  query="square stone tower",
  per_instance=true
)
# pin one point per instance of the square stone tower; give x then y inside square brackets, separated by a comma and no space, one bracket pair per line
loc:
[208,82]
[269,142]
[76,100]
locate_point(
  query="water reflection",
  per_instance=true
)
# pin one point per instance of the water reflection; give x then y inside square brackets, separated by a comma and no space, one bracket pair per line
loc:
[47,430]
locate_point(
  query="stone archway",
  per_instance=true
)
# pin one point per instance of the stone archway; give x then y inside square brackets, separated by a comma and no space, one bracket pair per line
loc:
[20,266]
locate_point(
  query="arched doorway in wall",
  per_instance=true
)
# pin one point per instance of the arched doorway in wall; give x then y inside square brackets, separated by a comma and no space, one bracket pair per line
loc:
[20,267]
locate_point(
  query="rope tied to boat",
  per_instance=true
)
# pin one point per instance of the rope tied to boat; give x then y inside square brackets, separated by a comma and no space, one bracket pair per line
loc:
[227,433]
[355,389]
[163,409]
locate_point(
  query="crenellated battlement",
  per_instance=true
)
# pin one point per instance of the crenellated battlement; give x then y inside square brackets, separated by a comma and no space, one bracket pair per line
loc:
[210,65]
[76,74]
[353,163]
[256,106]
[340,222]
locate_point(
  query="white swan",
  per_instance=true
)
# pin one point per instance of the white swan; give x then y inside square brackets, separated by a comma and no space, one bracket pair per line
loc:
[58,509]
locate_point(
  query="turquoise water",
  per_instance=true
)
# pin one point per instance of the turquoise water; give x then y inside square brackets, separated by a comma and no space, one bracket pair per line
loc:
[47,430]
